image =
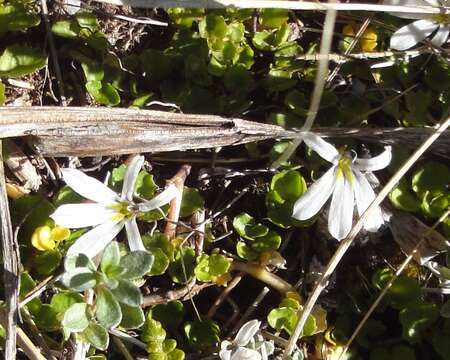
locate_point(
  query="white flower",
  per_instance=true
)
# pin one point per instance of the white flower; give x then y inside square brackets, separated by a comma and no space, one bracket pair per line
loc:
[237,349]
[348,185]
[109,213]
[425,25]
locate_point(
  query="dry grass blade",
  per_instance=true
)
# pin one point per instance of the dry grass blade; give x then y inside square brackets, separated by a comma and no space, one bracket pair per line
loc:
[10,249]
[389,284]
[345,244]
[319,84]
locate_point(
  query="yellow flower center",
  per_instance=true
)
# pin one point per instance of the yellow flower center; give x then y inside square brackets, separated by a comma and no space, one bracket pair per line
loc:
[345,168]
[368,40]
[123,211]
[45,238]
[442,18]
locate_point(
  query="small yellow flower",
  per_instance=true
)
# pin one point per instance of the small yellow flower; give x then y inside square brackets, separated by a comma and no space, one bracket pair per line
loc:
[15,191]
[45,238]
[368,40]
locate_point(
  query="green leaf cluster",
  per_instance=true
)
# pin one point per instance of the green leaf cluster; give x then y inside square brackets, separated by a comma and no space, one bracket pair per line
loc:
[210,267]
[17,15]
[259,237]
[426,193]
[18,60]
[158,346]
[285,317]
[202,334]
[117,299]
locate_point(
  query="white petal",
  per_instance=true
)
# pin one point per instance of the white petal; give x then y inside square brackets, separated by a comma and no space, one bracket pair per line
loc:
[225,354]
[315,197]
[130,177]
[74,216]
[96,240]
[408,36]
[340,216]
[134,237]
[411,3]
[159,200]
[246,354]
[320,146]
[89,187]
[247,332]
[364,195]
[441,36]
[376,163]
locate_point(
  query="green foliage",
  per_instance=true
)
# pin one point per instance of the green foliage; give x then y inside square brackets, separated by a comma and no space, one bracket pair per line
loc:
[202,334]
[416,318]
[285,188]
[158,346]
[210,267]
[117,298]
[18,60]
[2,94]
[260,237]
[191,201]
[170,314]
[285,317]
[16,16]
[162,249]
[84,28]
[427,193]
[181,270]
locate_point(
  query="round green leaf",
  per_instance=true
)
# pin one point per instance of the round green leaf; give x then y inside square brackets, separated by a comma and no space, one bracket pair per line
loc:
[161,262]
[416,318]
[64,300]
[19,60]
[46,262]
[132,317]
[107,308]
[402,198]
[246,252]
[79,279]
[96,335]
[75,318]
[110,257]
[273,18]
[136,264]
[202,334]
[182,269]
[191,201]
[103,93]
[271,241]
[66,29]
[128,293]
[170,314]
[432,176]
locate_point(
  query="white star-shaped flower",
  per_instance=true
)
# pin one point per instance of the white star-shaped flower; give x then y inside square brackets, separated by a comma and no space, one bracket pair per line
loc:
[347,183]
[237,349]
[424,26]
[109,213]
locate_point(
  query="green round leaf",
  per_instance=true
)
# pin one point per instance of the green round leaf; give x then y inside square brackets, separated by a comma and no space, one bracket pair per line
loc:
[191,201]
[103,93]
[46,262]
[64,300]
[107,308]
[79,279]
[128,293]
[246,252]
[182,269]
[432,176]
[202,334]
[416,318]
[75,318]
[19,60]
[110,257]
[170,314]
[136,264]
[402,198]
[132,317]
[271,241]
[273,18]
[96,335]
[161,262]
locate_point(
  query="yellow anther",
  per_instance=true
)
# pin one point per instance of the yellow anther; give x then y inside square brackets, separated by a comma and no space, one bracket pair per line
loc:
[442,18]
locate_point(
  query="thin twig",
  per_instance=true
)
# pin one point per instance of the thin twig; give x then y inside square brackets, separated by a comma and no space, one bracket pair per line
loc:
[175,205]
[51,42]
[345,244]
[225,292]
[341,58]
[128,338]
[319,83]
[11,260]
[282,4]
[122,348]
[389,284]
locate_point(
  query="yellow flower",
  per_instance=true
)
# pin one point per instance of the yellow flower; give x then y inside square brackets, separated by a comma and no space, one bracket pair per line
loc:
[368,40]
[45,238]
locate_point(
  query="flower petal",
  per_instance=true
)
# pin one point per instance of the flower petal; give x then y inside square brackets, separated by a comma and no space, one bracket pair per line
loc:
[225,354]
[441,36]
[247,332]
[364,195]
[408,36]
[376,163]
[89,187]
[75,216]
[95,241]
[320,146]
[340,216]
[131,175]
[243,353]
[134,237]
[315,197]
[411,3]
[159,200]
